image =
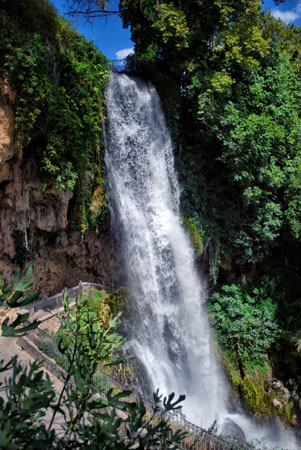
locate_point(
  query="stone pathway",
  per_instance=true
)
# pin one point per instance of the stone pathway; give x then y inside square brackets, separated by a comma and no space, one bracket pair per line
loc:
[9,347]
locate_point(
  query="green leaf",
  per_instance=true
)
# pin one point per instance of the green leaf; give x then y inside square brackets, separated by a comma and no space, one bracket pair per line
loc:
[11,330]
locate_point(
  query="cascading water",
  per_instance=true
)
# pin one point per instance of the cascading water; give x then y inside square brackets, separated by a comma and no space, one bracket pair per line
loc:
[171,334]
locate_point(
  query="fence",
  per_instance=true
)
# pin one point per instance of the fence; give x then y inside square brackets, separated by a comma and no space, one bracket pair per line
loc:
[197,438]
[56,301]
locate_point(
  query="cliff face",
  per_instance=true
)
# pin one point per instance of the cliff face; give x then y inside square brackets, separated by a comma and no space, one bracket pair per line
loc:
[34,220]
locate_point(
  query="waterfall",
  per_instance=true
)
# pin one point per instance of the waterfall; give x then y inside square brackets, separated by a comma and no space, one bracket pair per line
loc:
[170,333]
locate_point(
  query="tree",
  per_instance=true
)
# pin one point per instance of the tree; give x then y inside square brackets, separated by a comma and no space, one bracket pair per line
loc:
[88,419]
[183,36]
[254,345]
[256,124]
[287,37]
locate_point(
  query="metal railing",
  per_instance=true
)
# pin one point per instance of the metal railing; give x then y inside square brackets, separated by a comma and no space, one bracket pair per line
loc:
[197,438]
[56,301]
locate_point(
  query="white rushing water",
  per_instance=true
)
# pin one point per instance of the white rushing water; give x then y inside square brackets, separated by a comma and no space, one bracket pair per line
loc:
[171,333]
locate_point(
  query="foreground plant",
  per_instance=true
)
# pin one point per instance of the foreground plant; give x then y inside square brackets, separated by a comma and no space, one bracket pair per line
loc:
[15,296]
[87,417]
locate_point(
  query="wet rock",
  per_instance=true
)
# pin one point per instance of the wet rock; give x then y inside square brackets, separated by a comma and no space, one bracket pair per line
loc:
[230,428]
[286,394]
[277,384]
[277,403]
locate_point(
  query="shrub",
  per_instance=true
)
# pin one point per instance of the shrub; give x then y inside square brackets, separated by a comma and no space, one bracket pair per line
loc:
[244,320]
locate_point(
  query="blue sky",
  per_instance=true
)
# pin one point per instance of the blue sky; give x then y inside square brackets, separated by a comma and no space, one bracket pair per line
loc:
[107,33]
[289,11]
[115,41]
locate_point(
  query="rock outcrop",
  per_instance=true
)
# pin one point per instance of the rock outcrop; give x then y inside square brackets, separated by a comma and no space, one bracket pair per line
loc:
[34,220]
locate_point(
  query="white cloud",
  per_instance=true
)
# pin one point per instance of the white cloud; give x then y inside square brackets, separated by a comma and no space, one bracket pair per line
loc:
[121,54]
[288,16]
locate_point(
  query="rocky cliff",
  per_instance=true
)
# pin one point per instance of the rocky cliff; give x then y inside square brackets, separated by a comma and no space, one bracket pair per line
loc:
[34,226]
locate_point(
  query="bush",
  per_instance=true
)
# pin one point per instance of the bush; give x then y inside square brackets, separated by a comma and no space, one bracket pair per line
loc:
[244,320]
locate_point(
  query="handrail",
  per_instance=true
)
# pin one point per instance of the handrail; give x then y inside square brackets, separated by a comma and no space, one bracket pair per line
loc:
[56,301]
[197,438]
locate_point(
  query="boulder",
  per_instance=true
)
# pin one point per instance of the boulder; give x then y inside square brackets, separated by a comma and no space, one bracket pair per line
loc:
[230,428]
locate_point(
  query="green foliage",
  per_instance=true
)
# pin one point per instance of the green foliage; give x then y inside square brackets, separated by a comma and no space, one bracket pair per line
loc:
[105,305]
[98,210]
[90,344]
[244,320]
[260,146]
[60,96]
[253,383]
[196,235]
[287,37]
[255,390]
[85,323]
[172,25]
[28,394]
[244,184]
[13,296]
[180,35]
[249,322]
[33,15]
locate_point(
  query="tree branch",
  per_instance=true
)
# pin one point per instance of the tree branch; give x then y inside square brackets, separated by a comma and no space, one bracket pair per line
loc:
[95,13]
